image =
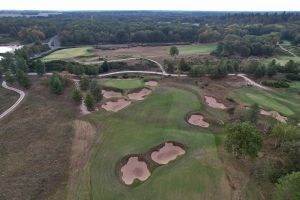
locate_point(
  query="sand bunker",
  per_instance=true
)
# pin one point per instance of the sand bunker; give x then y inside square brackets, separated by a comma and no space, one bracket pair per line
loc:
[115,106]
[212,102]
[111,94]
[198,120]
[167,153]
[139,95]
[275,115]
[134,169]
[151,83]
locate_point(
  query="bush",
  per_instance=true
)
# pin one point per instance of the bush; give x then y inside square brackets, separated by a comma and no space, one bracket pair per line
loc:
[23,79]
[84,82]
[287,187]
[90,102]
[276,84]
[56,84]
[76,95]
[96,90]
[293,77]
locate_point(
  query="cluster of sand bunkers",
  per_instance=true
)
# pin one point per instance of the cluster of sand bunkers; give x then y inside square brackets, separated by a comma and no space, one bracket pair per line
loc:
[120,101]
[136,167]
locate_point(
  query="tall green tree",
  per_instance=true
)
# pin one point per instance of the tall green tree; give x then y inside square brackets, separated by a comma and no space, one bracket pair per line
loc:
[76,95]
[96,91]
[174,51]
[84,83]
[23,79]
[105,66]
[90,102]
[183,65]
[56,84]
[40,67]
[287,187]
[243,138]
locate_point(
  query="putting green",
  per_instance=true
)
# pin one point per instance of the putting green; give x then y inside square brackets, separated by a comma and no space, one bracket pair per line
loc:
[66,54]
[146,124]
[198,49]
[123,84]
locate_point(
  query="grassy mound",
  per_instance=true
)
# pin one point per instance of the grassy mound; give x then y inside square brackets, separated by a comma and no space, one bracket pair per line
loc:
[66,54]
[158,119]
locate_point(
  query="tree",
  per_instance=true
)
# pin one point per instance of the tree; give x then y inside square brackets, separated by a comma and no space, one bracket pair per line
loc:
[21,64]
[284,133]
[184,66]
[170,68]
[84,82]
[23,79]
[56,84]
[96,90]
[291,67]
[40,67]
[9,77]
[287,187]
[243,139]
[260,71]
[174,51]
[272,68]
[253,113]
[105,66]
[76,95]
[90,102]
[197,71]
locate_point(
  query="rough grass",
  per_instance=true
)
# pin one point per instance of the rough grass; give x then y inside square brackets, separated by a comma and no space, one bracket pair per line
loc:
[7,98]
[282,60]
[66,54]
[35,145]
[196,175]
[198,49]
[123,84]
[284,101]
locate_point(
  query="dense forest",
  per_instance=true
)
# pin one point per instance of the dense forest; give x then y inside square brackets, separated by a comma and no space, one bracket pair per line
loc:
[244,34]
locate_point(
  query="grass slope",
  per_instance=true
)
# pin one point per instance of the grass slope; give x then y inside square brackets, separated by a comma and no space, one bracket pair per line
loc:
[123,84]
[66,54]
[198,49]
[7,99]
[198,174]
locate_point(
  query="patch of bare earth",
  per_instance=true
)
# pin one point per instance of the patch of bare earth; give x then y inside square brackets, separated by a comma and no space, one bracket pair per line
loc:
[111,94]
[212,102]
[275,115]
[81,146]
[198,120]
[151,83]
[134,169]
[167,153]
[115,106]
[139,95]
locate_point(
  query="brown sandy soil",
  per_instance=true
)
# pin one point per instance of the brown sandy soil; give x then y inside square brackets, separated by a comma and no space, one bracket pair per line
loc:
[212,102]
[167,153]
[111,94]
[81,146]
[139,95]
[198,120]
[275,115]
[115,106]
[151,83]
[134,169]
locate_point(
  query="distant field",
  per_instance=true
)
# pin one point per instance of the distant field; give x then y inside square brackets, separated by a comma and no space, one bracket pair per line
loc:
[123,84]
[198,49]
[7,98]
[161,117]
[66,54]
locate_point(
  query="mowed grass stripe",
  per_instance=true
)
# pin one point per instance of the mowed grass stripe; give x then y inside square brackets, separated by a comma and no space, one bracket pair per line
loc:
[66,54]
[144,125]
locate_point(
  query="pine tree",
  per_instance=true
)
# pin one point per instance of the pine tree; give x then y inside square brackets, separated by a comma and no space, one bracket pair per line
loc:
[90,102]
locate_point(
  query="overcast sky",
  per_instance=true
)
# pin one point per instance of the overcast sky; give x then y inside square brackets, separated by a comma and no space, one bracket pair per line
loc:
[201,5]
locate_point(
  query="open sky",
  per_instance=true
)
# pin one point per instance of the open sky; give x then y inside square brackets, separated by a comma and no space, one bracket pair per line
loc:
[201,5]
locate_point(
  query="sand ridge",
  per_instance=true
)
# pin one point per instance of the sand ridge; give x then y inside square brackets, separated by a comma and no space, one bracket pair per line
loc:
[139,95]
[198,120]
[111,94]
[275,115]
[167,153]
[151,83]
[212,102]
[116,106]
[134,169]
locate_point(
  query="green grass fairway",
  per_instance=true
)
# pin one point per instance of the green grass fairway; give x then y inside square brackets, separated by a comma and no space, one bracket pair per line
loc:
[196,175]
[7,99]
[123,84]
[198,49]
[66,54]
[283,102]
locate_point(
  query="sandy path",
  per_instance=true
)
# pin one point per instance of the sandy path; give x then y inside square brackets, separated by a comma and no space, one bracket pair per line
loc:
[139,95]
[82,107]
[111,94]
[212,102]
[134,169]
[286,50]
[275,115]
[115,106]
[13,107]
[198,120]
[167,153]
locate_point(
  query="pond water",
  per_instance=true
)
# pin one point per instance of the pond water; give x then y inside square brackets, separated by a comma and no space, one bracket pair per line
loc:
[10,48]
